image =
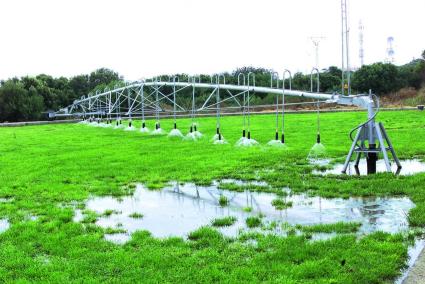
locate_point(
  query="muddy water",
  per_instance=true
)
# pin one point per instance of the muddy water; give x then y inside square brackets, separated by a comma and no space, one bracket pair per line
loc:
[409,167]
[180,209]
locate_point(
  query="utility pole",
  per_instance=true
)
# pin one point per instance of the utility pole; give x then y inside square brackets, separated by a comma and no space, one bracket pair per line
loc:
[345,66]
[361,50]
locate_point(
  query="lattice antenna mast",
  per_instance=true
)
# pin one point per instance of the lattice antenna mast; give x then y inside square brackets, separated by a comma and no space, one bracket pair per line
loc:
[390,50]
[316,41]
[345,64]
[361,50]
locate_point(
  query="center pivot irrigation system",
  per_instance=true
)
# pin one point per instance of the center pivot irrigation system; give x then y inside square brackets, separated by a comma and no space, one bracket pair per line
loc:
[155,97]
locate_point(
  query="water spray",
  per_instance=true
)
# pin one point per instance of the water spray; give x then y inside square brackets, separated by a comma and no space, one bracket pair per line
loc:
[248,141]
[175,132]
[158,129]
[144,129]
[318,150]
[276,141]
[218,138]
[286,71]
[193,131]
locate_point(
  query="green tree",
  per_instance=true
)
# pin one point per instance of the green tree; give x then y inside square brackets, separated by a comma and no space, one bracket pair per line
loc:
[381,78]
[17,103]
[102,76]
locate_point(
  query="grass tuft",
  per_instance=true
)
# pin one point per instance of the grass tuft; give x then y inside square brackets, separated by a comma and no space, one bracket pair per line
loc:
[136,215]
[253,222]
[281,204]
[339,227]
[224,222]
[223,201]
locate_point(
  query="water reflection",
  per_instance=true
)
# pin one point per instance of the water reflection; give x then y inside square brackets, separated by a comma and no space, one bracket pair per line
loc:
[182,208]
[409,167]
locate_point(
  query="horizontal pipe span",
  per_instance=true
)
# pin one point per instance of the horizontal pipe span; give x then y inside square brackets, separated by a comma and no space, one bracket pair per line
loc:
[294,93]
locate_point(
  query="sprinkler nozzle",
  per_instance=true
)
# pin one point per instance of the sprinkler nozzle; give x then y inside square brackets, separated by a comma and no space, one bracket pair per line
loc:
[191,129]
[249,135]
[318,138]
[175,125]
[243,133]
[143,124]
[194,127]
[219,136]
[129,123]
[218,131]
[277,136]
[283,138]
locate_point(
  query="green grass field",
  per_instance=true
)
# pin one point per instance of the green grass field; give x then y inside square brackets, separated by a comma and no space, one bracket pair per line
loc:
[42,167]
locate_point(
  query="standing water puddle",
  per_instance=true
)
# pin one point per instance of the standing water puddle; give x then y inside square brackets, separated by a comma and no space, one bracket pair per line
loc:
[409,167]
[4,225]
[178,210]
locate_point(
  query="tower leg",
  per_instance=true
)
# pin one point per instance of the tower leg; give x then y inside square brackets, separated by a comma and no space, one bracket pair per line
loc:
[350,153]
[384,133]
[383,149]
[359,155]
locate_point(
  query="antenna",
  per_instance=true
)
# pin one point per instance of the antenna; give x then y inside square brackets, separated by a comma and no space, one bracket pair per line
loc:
[361,50]
[316,41]
[345,66]
[390,50]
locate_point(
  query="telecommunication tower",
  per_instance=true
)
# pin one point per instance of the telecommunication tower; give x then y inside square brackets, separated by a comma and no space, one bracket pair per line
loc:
[316,41]
[390,50]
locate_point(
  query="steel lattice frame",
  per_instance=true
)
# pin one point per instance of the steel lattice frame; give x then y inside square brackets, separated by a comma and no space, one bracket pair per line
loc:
[145,98]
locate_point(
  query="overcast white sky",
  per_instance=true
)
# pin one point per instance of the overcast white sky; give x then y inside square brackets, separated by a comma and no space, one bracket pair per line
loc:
[146,38]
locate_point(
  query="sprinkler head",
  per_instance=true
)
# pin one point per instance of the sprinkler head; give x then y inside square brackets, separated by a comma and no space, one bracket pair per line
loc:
[118,123]
[318,138]
[191,129]
[143,125]
[249,135]
[175,125]
[218,131]
[277,136]
[195,127]
[243,133]
[129,124]
[283,138]
[219,136]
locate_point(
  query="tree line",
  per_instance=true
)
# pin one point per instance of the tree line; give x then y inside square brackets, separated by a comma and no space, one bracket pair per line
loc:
[28,98]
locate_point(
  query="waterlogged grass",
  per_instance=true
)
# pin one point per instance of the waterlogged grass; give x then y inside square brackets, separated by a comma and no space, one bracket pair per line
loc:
[253,221]
[339,227]
[136,215]
[224,222]
[109,212]
[281,204]
[223,201]
[43,167]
